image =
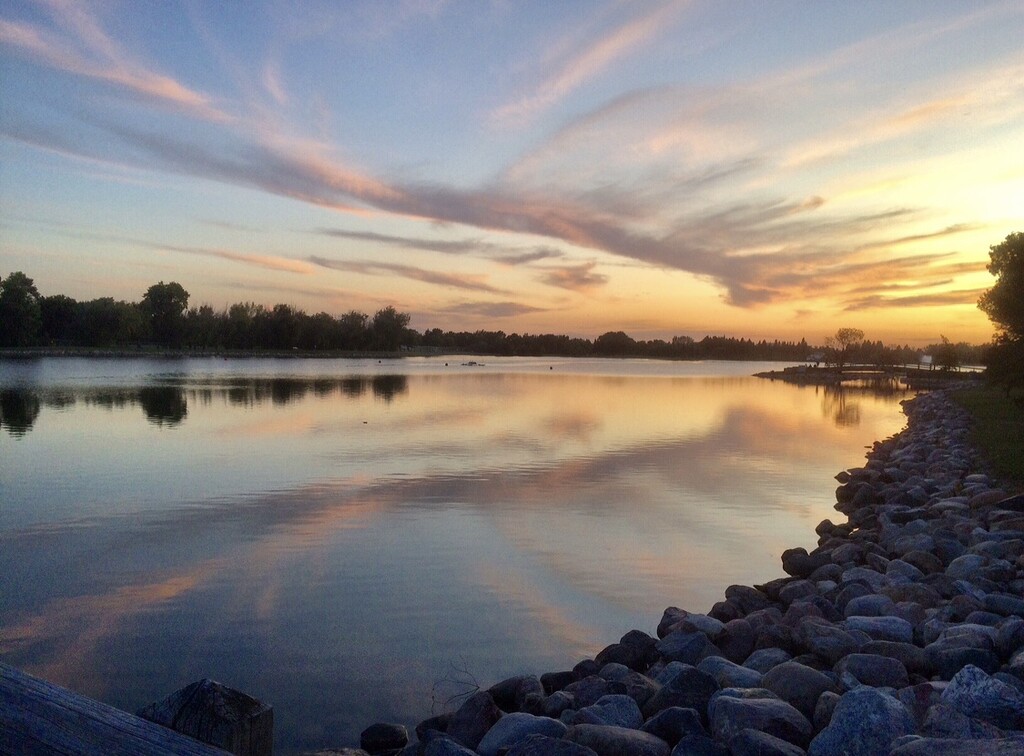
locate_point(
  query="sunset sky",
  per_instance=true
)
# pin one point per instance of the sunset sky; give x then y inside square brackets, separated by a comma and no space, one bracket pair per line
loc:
[762,169]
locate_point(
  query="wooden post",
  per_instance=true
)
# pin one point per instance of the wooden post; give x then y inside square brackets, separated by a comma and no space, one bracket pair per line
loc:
[218,715]
[39,717]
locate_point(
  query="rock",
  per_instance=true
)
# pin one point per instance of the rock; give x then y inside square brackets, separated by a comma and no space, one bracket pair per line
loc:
[543,745]
[755,743]
[555,681]
[736,640]
[796,590]
[872,669]
[764,659]
[747,599]
[673,724]
[964,567]
[699,745]
[978,695]
[617,710]
[556,703]
[912,657]
[512,728]
[865,722]
[730,716]
[689,688]
[943,721]
[617,741]
[1004,604]
[632,657]
[827,641]
[824,709]
[921,697]
[953,747]
[473,719]
[882,628]
[382,737]
[728,674]
[513,693]
[798,685]
[869,605]
[687,647]
[445,746]
[638,687]
[591,688]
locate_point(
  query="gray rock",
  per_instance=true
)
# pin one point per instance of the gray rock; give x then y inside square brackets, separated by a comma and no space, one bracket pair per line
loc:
[943,721]
[874,670]
[912,657]
[616,710]
[730,716]
[513,693]
[882,628]
[978,695]
[617,741]
[865,722]
[445,746]
[870,605]
[674,724]
[1004,604]
[954,747]
[635,685]
[699,745]
[824,709]
[542,745]
[964,567]
[512,728]
[591,688]
[689,688]
[798,685]
[556,703]
[383,736]
[921,697]
[763,659]
[827,641]
[736,640]
[728,674]
[687,647]
[755,743]
[473,719]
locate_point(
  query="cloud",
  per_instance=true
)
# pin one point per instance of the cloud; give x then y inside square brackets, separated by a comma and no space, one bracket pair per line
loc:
[580,278]
[588,63]
[455,280]
[491,309]
[102,60]
[937,299]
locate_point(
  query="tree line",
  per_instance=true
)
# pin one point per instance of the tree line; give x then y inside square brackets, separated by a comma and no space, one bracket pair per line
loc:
[163,318]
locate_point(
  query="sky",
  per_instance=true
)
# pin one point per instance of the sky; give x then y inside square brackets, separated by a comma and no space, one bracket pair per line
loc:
[766,170]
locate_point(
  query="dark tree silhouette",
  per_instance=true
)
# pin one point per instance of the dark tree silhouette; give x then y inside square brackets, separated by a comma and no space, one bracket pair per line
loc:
[164,305]
[388,328]
[20,314]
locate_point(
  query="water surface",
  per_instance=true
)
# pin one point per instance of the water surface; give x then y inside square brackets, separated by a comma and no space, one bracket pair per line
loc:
[353,540]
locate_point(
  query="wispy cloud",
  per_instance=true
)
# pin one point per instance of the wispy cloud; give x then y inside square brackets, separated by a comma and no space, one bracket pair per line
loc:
[936,299]
[87,51]
[454,280]
[505,254]
[580,278]
[584,65]
[495,310]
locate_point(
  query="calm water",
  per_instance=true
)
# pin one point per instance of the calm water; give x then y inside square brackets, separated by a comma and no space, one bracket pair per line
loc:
[352,541]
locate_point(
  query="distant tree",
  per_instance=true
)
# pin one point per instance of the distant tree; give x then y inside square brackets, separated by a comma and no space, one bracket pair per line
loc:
[840,346]
[945,355]
[388,328]
[1004,302]
[615,343]
[164,305]
[60,316]
[20,314]
[105,322]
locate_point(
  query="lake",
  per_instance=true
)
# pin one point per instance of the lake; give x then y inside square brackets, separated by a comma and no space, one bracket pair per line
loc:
[356,541]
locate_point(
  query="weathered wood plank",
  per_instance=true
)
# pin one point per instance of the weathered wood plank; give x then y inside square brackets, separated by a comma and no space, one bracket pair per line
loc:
[39,717]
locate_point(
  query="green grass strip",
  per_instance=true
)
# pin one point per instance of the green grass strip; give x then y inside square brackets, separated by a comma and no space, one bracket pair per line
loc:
[998,431]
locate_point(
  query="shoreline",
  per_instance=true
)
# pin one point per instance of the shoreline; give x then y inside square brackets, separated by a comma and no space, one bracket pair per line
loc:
[902,633]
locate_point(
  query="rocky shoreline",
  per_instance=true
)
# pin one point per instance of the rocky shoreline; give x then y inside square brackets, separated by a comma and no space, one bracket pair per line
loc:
[902,633]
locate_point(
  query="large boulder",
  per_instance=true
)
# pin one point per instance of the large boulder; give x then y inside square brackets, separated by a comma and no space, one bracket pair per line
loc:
[865,723]
[757,743]
[617,741]
[616,710]
[981,696]
[512,728]
[473,719]
[673,724]
[798,685]
[872,669]
[730,716]
[689,688]
[543,745]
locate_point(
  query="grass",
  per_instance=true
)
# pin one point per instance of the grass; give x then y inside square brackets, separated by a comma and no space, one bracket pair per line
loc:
[998,431]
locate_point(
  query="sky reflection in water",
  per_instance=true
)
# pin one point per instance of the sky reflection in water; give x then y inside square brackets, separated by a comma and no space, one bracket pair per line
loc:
[302,529]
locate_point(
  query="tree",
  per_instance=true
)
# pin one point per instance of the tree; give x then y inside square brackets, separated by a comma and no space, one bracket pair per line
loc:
[1004,302]
[164,305]
[20,315]
[842,344]
[388,328]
